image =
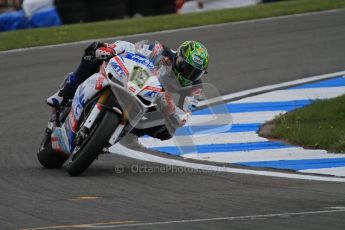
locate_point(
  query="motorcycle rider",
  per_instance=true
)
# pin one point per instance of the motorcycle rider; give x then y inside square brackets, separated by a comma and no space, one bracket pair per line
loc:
[188,63]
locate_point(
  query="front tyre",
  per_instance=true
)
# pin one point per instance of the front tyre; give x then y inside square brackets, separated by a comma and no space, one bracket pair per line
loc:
[98,139]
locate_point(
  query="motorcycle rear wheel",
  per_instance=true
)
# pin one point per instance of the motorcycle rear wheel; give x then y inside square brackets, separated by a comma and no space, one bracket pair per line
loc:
[48,157]
[98,139]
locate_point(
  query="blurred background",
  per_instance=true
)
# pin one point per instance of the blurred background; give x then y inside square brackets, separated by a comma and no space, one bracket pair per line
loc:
[22,14]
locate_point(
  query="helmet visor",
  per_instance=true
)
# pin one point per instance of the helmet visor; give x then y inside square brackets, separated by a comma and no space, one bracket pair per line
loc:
[186,70]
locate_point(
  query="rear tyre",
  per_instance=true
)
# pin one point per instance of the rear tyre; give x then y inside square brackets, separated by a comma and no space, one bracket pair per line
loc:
[98,139]
[48,157]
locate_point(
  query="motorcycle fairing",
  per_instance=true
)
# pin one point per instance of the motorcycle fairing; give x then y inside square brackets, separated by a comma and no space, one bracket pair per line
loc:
[86,91]
[63,137]
[60,139]
[131,70]
[139,82]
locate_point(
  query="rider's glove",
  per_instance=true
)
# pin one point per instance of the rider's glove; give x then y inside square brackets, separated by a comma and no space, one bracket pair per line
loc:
[104,53]
[91,49]
[190,104]
[180,117]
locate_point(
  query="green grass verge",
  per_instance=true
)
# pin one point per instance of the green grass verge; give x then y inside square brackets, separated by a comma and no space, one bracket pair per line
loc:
[78,32]
[320,125]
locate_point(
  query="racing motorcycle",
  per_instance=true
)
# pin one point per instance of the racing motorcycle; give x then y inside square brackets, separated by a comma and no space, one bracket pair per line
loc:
[105,108]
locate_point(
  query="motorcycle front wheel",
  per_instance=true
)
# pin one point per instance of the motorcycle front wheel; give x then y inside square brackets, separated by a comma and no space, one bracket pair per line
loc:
[95,142]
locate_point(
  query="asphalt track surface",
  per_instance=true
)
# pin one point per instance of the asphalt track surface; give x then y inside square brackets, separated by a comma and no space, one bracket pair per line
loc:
[243,56]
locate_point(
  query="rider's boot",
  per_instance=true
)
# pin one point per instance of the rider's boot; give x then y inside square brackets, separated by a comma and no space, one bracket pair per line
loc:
[66,91]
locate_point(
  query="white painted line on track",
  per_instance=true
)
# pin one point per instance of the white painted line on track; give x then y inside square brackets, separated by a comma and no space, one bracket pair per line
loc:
[232,218]
[172,31]
[293,153]
[124,151]
[237,118]
[296,94]
[215,138]
[339,171]
[258,90]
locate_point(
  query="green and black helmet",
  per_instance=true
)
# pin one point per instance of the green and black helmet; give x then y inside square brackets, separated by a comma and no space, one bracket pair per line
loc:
[190,63]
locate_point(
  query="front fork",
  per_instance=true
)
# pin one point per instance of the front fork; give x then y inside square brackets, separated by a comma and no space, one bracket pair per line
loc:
[92,117]
[96,110]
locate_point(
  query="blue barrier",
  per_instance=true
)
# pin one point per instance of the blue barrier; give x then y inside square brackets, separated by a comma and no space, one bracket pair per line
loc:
[13,21]
[45,18]
[17,20]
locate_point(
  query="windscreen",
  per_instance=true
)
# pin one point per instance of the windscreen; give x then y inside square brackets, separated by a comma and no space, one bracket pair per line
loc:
[213,117]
